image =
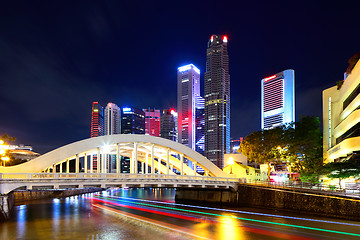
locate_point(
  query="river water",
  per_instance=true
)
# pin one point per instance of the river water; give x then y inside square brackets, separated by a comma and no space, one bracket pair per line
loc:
[152,214]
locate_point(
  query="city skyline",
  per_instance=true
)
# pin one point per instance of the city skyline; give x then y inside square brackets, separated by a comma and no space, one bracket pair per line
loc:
[103,55]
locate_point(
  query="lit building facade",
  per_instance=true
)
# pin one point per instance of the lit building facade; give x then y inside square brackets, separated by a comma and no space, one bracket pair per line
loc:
[152,122]
[112,119]
[217,100]
[200,125]
[188,79]
[168,128]
[132,121]
[97,120]
[278,99]
[341,117]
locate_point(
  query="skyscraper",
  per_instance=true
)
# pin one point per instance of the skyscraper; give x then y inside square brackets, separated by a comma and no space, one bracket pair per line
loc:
[200,124]
[278,99]
[132,121]
[217,100]
[97,120]
[168,124]
[152,122]
[112,119]
[188,79]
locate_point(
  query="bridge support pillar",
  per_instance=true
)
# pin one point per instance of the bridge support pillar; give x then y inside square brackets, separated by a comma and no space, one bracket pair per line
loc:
[133,160]
[103,162]
[117,158]
[98,162]
[85,163]
[77,163]
[61,170]
[182,164]
[167,160]
[54,168]
[152,159]
[91,163]
[195,164]
[67,166]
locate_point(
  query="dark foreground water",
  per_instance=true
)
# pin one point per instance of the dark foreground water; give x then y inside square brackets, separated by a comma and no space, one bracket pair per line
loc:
[152,214]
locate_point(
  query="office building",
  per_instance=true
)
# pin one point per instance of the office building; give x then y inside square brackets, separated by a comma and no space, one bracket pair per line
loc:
[341,116]
[200,124]
[97,120]
[152,122]
[217,100]
[112,119]
[278,99]
[132,121]
[168,128]
[188,79]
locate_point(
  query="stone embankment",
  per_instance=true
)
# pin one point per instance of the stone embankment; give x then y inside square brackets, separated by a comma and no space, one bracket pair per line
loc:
[270,198]
[8,201]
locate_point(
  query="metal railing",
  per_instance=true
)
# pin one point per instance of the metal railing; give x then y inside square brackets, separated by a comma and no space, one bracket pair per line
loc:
[110,176]
[314,188]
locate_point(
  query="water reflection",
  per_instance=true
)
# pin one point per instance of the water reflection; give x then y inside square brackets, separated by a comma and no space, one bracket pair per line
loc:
[151,213]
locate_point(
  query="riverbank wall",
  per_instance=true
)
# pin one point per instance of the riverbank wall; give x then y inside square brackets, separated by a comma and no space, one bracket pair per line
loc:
[8,201]
[270,198]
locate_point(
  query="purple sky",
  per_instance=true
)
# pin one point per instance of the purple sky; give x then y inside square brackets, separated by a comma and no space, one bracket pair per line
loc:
[57,58]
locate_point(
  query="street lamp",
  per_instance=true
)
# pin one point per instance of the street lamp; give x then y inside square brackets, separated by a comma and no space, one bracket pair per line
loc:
[5,159]
[231,162]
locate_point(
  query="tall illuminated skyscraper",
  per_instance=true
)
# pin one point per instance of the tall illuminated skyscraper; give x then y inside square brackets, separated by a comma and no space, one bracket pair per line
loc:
[217,100]
[200,124]
[112,119]
[152,121]
[97,120]
[188,79]
[278,99]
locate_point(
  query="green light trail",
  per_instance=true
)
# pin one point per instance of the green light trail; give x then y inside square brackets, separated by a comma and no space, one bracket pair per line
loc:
[239,218]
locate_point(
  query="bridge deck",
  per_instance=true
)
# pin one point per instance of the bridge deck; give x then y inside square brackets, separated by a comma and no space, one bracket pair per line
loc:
[11,181]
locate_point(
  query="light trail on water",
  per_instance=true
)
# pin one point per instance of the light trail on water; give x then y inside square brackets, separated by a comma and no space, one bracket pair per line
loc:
[138,202]
[186,230]
[237,211]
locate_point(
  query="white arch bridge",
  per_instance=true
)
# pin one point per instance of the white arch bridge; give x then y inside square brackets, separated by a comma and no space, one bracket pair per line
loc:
[96,162]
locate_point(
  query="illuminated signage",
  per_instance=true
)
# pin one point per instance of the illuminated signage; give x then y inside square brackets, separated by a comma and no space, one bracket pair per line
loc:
[269,78]
[212,38]
[188,67]
[225,39]
[126,109]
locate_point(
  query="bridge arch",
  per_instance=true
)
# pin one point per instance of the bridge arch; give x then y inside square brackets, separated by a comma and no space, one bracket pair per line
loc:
[154,153]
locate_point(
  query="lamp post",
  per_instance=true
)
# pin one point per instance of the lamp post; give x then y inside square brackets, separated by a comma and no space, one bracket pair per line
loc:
[3,152]
[5,159]
[231,162]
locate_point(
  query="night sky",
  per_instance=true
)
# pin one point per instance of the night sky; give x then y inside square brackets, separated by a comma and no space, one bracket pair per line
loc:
[57,57]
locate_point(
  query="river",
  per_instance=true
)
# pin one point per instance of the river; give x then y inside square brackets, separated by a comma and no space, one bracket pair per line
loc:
[152,214]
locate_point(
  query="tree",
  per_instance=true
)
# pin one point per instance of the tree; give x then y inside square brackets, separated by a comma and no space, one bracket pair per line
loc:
[264,146]
[299,143]
[343,169]
[305,148]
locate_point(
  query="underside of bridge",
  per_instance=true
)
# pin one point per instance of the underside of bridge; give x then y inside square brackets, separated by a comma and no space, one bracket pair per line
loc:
[147,154]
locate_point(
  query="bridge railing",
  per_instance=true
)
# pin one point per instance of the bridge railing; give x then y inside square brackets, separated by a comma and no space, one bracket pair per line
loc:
[113,176]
